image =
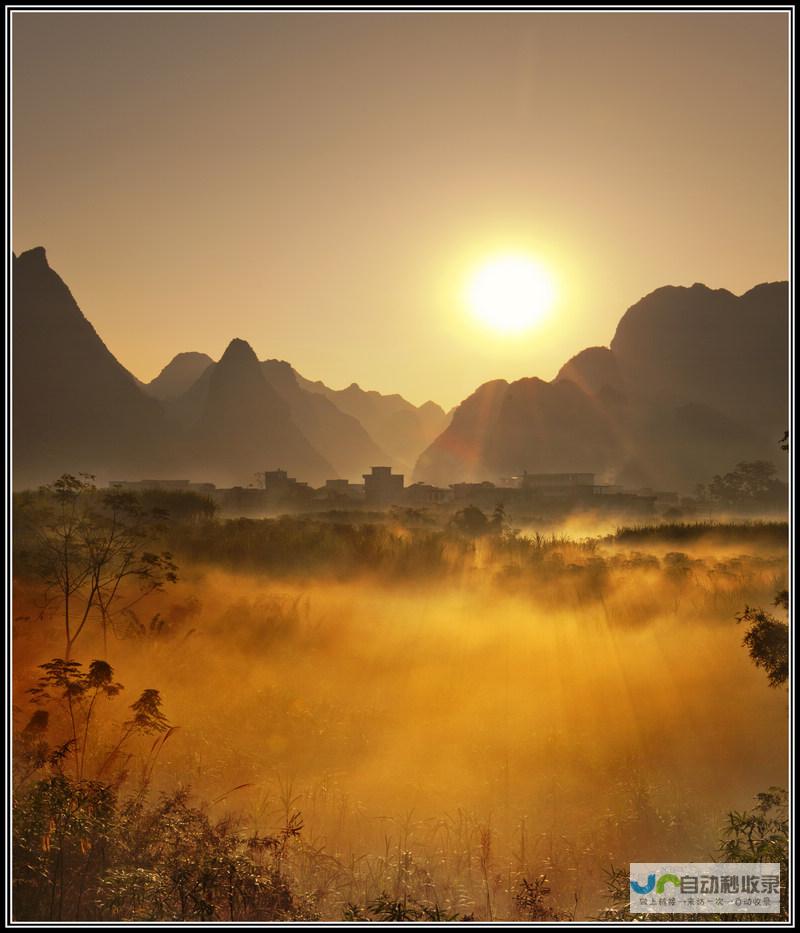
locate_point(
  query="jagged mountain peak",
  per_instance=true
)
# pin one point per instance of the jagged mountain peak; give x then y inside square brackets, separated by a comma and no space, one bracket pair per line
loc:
[238,351]
[76,408]
[36,256]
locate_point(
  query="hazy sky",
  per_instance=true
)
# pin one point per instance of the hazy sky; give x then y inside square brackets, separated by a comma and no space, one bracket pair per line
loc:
[323,184]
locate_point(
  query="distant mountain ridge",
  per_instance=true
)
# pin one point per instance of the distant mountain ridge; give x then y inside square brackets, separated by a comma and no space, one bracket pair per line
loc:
[341,437]
[397,426]
[77,408]
[342,425]
[693,381]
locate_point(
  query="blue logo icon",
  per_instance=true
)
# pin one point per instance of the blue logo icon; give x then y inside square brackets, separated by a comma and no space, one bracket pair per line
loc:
[659,886]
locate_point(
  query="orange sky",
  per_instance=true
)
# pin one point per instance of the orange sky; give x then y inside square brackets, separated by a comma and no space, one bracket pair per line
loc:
[322,184]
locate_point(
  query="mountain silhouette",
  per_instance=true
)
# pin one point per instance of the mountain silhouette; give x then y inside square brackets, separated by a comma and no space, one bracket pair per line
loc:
[702,345]
[75,407]
[593,370]
[460,452]
[694,381]
[399,428]
[178,375]
[339,437]
[529,424]
[235,424]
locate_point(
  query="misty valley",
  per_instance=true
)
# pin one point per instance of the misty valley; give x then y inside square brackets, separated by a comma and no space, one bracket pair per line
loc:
[401,715]
[399,465]
[284,652]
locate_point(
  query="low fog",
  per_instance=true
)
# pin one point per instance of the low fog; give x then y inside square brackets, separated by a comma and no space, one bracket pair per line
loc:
[513,712]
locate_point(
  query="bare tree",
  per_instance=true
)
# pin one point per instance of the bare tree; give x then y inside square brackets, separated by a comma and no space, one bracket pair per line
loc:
[90,548]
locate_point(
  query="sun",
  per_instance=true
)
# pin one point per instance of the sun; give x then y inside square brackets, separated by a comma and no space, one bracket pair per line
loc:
[511,293]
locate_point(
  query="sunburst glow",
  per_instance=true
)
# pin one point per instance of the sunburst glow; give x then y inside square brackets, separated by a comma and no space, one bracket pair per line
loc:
[511,293]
